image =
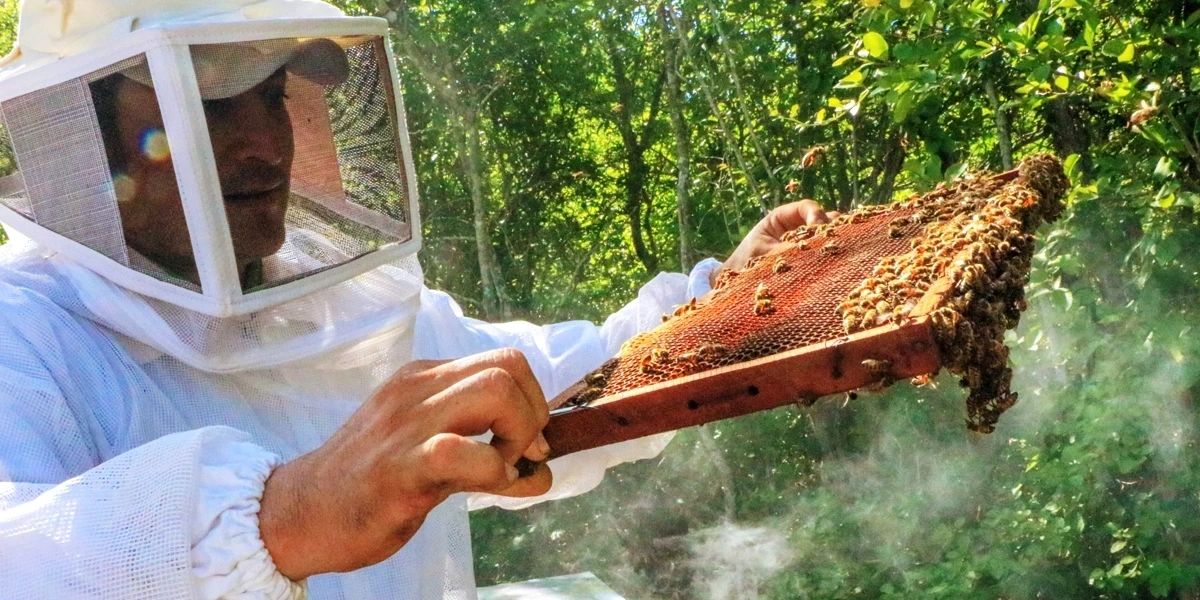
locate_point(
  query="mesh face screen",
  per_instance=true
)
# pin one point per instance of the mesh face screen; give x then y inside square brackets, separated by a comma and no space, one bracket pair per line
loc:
[12,185]
[95,167]
[865,270]
[63,167]
[305,140]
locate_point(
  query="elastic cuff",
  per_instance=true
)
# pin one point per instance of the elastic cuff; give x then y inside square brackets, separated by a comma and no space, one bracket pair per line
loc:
[700,279]
[229,558]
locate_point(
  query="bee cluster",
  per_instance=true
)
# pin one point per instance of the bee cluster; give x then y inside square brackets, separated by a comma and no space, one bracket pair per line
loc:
[866,269]
[976,235]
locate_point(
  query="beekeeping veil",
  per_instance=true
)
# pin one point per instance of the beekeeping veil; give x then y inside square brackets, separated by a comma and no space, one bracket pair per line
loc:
[204,172]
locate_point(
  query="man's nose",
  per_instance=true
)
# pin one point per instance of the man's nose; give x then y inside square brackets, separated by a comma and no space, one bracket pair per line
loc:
[262,133]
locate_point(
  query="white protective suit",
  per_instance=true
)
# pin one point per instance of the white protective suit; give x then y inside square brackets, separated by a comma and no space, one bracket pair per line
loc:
[141,414]
[126,473]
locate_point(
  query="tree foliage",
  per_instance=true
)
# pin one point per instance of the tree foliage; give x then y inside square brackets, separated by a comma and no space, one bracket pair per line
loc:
[566,151]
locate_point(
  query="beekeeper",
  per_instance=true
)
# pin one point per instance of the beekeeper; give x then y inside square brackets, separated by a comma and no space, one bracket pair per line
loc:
[221,374]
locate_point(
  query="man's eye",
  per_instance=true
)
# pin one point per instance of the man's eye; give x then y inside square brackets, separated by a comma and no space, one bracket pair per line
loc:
[275,98]
[218,107]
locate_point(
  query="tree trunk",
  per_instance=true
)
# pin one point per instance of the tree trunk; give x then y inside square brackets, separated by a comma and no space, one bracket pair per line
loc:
[1068,133]
[1003,132]
[495,299]
[893,162]
[682,143]
[438,73]
[747,122]
[637,173]
[722,120]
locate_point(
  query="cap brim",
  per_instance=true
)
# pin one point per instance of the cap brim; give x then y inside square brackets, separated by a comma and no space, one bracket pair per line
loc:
[228,70]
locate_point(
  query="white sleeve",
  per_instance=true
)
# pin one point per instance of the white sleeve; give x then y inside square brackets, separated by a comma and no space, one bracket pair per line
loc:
[83,516]
[561,354]
[174,518]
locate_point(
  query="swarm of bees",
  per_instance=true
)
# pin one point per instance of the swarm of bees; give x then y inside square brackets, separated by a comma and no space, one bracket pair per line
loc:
[870,268]
[977,236]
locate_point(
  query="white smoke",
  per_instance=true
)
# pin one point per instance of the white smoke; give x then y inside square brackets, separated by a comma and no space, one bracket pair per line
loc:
[731,562]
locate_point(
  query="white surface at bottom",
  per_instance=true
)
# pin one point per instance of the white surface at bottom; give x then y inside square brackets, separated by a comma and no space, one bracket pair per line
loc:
[581,586]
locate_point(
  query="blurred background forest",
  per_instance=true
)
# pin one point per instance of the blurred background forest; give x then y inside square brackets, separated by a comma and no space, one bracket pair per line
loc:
[568,151]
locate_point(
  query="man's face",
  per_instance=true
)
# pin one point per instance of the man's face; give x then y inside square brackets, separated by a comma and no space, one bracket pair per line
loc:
[252,142]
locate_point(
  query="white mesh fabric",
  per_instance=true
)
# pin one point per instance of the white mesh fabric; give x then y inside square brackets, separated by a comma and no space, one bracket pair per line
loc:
[64,168]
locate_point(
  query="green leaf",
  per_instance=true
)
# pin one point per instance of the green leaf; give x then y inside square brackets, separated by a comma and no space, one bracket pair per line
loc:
[1165,167]
[1118,546]
[906,4]
[1127,54]
[1113,47]
[875,44]
[854,79]
[1062,82]
[1039,74]
[1069,166]
[956,170]
[902,107]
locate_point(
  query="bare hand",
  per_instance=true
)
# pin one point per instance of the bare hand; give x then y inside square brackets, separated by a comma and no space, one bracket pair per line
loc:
[365,492]
[765,236]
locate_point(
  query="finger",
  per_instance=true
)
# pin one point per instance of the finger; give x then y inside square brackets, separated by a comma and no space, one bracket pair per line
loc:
[420,380]
[539,450]
[535,484]
[793,215]
[453,463]
[513,362]
[488,400]
[833,214]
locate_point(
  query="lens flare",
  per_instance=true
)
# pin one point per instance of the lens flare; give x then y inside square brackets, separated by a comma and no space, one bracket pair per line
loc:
[124,186]
[154,145]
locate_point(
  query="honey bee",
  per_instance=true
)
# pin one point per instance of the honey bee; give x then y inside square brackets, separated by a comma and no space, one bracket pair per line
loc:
[683,309]
[924,380]
[1143,114]
[869,317]
[596,380]
[802,245]
[877,366]
[761,293]
[690,361]
[763,307]
[646,366]
[660,356]
[830,249]
[797,234]
[586,397]
[780,266]
[850,323]
[895,230]
[711,351]
[811,157]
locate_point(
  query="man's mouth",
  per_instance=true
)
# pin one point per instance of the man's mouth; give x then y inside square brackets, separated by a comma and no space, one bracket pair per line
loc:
[255,192]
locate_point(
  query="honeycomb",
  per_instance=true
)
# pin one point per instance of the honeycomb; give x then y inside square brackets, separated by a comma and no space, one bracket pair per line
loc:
[867,269]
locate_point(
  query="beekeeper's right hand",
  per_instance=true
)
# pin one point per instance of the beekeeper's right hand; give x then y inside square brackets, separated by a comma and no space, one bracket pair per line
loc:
[363,494]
